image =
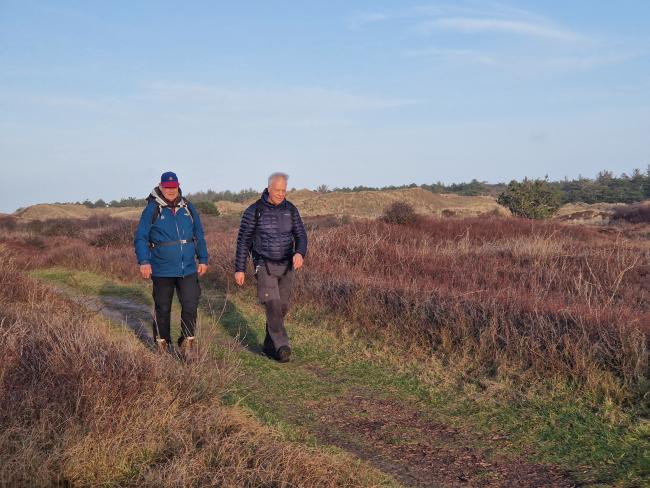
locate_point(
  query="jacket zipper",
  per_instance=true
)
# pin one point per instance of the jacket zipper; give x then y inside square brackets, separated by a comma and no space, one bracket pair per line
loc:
[178,233]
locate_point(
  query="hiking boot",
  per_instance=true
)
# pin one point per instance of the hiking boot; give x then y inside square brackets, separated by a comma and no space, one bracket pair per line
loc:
[284,353]
[187,346]
[269,352]
[161,346]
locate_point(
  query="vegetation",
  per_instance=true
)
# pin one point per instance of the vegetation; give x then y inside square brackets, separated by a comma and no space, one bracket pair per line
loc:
[605,188]
[531,199]
[207,207]
[635,214]
[85,405]
[499,298]
[400,213]
[228,196]
[530,331]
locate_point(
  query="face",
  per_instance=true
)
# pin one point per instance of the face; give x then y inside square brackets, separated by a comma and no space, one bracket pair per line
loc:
[169,193]
[277,191]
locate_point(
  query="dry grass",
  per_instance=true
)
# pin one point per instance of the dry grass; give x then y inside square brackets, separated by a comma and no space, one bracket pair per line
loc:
[488,296]
[83,405]
[493,295]
[372,204]
[46,211]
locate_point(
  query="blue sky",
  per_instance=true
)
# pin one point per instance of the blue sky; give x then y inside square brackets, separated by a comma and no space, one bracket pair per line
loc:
[97,98]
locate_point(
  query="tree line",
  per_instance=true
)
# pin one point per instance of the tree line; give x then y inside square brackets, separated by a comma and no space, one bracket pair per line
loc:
[604,188]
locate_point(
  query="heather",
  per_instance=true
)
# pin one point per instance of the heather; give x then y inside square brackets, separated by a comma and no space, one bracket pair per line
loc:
[84,404]
[493,296]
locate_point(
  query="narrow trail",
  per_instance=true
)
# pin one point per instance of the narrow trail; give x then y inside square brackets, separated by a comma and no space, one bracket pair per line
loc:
[384,429]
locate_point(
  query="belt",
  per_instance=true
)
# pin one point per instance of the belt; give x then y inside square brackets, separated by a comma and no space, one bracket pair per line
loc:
[168,243]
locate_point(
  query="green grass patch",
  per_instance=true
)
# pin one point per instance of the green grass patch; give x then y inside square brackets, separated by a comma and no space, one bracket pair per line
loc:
[554,424]
[93,284]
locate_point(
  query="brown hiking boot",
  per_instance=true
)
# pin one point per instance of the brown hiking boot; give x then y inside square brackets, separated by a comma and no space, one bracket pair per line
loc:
[188,347]
[161,345]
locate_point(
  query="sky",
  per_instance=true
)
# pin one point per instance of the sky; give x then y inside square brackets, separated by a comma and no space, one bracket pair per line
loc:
[98,98]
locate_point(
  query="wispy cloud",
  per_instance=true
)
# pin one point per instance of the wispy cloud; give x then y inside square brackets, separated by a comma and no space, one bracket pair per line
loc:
[471,25]
[470,19]
[557,48]
[194,103]
[516,62]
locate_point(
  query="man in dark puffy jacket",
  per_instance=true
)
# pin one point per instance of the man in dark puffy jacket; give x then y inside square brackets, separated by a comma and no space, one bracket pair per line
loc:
[168,241]
[272,232]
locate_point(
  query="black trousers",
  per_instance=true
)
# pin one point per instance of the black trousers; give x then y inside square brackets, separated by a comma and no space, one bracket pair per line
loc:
[188,291]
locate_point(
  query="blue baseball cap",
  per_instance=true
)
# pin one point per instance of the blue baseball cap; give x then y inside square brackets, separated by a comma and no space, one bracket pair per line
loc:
[169,180]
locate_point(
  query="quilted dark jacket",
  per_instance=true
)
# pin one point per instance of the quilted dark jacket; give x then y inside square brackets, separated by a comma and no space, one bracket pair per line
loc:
[279,235]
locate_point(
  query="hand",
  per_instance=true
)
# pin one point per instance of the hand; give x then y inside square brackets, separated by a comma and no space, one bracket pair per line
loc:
[202,269]
[297,261]
[240,276]
[145,271]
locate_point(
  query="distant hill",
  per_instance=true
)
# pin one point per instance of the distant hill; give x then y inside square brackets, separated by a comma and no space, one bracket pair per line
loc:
[44,211]
[594,213]
[371,204]
[357,204]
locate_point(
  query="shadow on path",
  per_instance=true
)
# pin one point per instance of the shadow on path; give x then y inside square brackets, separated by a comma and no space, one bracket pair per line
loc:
[234,323]
[136,315]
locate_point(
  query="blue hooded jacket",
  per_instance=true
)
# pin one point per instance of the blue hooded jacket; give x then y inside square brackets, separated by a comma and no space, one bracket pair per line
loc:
[280,233]
[177,238]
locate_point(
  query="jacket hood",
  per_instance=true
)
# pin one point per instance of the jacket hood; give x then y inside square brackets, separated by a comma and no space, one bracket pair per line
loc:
[157,196]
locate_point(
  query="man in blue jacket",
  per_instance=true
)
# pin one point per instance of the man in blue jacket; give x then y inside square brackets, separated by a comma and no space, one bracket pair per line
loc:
[272,231]
[168,241]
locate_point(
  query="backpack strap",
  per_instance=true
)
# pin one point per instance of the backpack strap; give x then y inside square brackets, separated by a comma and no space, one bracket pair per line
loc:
[184,203]
[159,207]
[259,207]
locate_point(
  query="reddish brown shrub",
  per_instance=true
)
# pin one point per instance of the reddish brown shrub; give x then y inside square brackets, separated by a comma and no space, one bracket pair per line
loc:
[490,295]
[117,234]
[8,222]
[55,227]
[494,294]
[401,213]
[638,213]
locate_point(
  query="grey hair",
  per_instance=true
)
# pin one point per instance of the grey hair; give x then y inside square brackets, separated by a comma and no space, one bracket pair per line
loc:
[277,174]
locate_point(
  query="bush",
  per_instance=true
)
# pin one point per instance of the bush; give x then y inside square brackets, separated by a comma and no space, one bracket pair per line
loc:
[533,199]
[634,214]
[120,234]
[207,208]
[55,227]
[8,222]
[400,213]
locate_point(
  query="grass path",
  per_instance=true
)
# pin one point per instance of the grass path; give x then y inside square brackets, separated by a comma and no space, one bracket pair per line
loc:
[345,393]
